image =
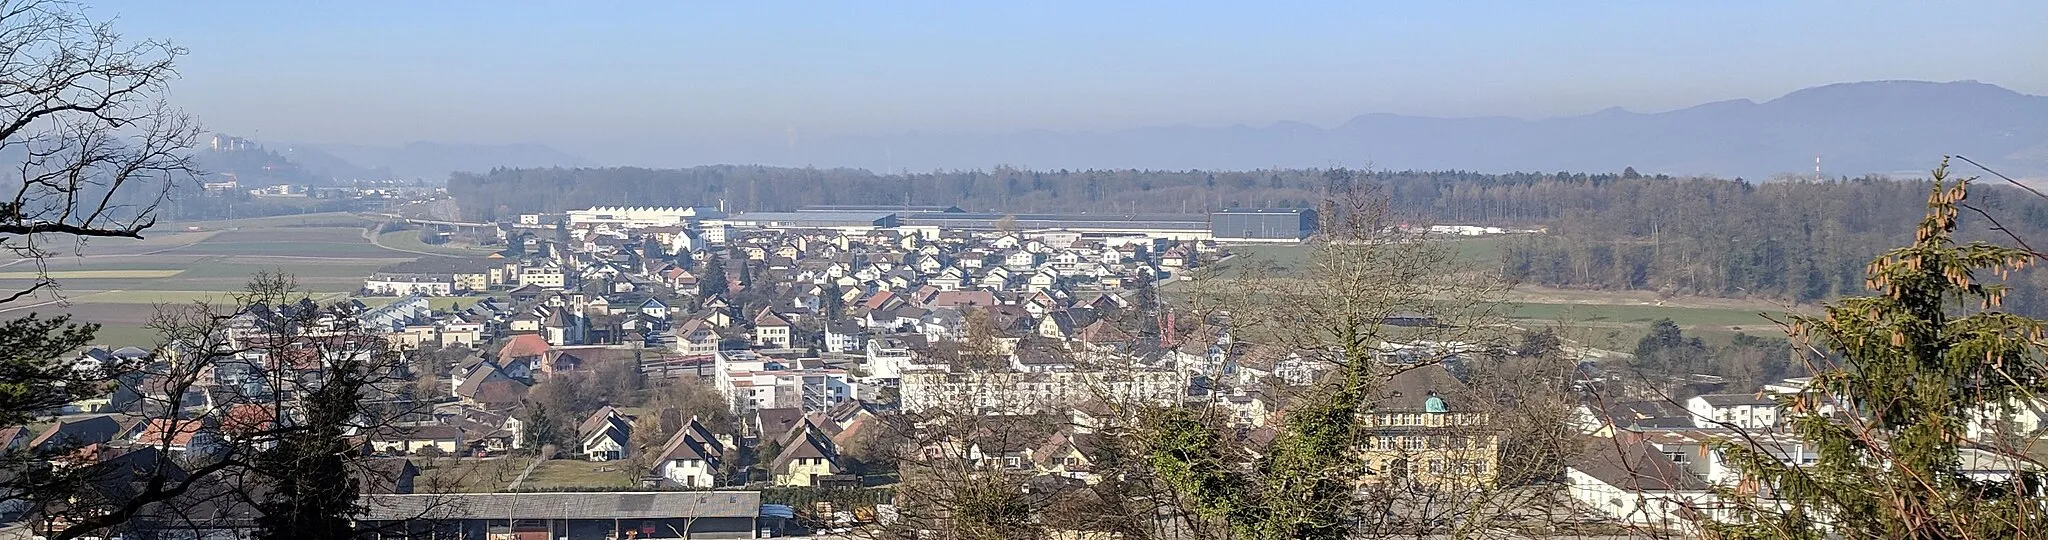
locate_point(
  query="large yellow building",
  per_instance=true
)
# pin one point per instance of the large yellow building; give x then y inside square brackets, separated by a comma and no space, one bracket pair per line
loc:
[1425,436]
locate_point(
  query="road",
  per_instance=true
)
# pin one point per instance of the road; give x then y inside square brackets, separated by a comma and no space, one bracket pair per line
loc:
[370,233]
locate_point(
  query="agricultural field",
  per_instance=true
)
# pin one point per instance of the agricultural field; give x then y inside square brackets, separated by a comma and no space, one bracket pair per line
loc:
[409,240]
[120,283]
[1624,310]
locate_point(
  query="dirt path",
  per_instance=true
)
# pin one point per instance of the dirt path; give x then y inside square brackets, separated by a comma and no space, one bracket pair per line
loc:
[545,451]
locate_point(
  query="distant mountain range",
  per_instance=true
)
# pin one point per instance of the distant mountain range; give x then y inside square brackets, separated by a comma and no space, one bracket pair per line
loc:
[328,163]
[1856,128]
[434,160]
[1883,127]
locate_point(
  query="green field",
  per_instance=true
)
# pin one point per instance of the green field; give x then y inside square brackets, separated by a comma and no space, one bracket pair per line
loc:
[120,282]
[1289,258]
[409,240]
[1606,309]
[571,473]
[450,475]
[1596,314]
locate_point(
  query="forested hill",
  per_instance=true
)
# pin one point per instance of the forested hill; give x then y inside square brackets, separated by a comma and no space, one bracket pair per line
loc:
[1791,240]
[1879,127]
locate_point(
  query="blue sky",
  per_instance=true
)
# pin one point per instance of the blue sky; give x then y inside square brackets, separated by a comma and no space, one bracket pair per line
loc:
[615,81]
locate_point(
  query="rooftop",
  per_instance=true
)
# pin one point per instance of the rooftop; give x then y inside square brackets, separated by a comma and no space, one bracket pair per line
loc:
[566,505]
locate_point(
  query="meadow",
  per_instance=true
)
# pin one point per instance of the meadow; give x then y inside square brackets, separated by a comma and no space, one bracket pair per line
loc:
[1627,311]
[119,283]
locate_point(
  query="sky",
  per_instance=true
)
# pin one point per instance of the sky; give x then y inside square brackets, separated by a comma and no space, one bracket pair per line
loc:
[617,82]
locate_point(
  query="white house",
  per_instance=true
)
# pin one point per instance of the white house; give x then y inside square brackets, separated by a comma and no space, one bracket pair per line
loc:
[1742,411]
[407,284]
[692,457]
[1635,485]
[606,435]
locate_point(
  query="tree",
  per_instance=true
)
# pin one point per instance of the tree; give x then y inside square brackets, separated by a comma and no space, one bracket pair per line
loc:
[1363,271]
[1667,350]
[541,426]
[1916,363]
[714,282]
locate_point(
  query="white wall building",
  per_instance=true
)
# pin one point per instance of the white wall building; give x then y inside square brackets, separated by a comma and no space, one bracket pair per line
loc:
[1014,393]
[635,217]
[1743,411]
[752,382]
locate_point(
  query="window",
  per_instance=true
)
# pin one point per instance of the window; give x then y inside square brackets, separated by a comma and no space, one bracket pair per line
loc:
[1439,442]
[1411,442]
[1436,466]
[1677,456]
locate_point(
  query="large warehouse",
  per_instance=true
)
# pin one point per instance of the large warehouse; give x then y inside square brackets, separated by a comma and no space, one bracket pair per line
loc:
[849,221]
[1262,224]
[1175,226]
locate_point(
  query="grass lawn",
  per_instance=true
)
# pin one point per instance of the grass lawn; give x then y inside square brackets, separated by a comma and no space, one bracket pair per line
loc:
[326,219]
[567,473]
[1286,258]
[94,274]
[1596,314]
[118,336]
[410,240]
[451,475]
[1480,250]
[152,297]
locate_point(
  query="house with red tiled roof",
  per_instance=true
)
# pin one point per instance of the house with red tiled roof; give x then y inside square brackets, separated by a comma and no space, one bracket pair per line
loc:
[528,351]
[772,329]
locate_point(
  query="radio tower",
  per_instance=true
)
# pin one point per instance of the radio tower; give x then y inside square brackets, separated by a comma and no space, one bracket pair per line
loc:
[1816,167]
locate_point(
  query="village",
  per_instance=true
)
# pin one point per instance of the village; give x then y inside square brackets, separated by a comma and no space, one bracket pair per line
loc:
[795,359]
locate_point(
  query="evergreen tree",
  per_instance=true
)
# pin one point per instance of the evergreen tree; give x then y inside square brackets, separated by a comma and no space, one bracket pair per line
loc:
[651,249]
[540,426]
[713,283]
[1918,361]
[835,305]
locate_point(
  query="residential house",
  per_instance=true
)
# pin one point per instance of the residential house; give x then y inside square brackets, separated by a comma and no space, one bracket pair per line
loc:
[772,330]
[1743,411]
[807,460]
[607,435]
[692,458]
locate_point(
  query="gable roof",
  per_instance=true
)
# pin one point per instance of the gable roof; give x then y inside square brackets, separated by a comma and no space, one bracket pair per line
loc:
[775,422]
[601,419]
[769,318]
[1634,466]
[524,345]
[82,431]
[808,444]
[692,442]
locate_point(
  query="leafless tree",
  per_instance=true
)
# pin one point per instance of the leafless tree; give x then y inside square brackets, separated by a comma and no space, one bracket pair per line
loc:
[254,416]
[85,130]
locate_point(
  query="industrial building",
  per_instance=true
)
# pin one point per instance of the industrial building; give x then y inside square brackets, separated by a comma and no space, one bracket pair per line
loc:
[849,221]
[1262,224]
[904,209]
[647,216]
[1237,225]
[1174,226]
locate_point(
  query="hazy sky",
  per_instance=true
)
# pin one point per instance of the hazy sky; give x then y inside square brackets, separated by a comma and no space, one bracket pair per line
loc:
[618,81]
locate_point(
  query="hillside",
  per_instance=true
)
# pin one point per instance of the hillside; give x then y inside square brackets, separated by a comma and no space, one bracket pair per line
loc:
[1858,128]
